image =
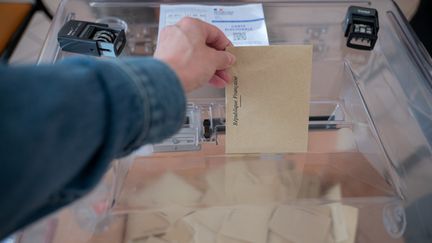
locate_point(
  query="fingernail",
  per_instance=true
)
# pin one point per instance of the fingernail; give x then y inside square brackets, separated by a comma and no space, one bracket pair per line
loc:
[232,59]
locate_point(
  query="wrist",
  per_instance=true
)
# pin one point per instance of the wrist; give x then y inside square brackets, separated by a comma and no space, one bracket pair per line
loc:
[172,64]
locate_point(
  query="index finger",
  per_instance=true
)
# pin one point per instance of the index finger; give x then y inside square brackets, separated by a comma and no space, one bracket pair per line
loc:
[215,37]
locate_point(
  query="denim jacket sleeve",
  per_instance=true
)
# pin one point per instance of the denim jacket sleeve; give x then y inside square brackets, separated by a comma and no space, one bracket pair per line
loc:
[61,125]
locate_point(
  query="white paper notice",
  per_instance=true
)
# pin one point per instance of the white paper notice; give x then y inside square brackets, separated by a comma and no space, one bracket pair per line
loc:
[244,25]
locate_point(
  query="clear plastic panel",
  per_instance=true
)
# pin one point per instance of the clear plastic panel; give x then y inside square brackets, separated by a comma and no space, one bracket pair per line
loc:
[368,158]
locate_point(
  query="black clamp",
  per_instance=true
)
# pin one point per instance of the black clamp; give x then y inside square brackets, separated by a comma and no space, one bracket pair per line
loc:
[361,27]
[88,38]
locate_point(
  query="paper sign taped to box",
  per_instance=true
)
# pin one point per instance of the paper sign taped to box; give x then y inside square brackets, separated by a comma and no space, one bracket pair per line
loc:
[267,104]
[243,24]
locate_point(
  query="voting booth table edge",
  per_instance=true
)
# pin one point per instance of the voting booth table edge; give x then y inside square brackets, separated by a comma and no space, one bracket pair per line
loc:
[364,177]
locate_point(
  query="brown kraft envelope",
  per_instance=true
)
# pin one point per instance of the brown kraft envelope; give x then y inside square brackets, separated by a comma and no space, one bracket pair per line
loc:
[267,103]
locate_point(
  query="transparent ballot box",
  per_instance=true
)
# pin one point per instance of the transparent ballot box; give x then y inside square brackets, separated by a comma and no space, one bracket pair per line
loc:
[365,177]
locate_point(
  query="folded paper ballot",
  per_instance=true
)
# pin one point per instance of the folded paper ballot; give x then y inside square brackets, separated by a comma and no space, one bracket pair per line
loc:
[247,224]
[239,216]
[268,100]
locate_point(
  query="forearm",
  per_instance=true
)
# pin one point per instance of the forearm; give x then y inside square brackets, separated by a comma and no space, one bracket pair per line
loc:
[61,125]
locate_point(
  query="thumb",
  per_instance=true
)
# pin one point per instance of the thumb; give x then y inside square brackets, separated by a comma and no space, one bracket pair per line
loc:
[222,59]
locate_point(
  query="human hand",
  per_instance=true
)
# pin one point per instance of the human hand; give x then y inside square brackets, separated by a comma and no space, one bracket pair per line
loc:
[195,50]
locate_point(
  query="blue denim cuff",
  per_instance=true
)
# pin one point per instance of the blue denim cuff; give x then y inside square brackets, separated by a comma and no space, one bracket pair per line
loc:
[163,99]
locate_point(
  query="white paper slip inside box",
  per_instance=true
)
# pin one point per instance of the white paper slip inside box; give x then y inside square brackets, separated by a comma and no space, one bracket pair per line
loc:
[243,24]
[267,104]
[300,224]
